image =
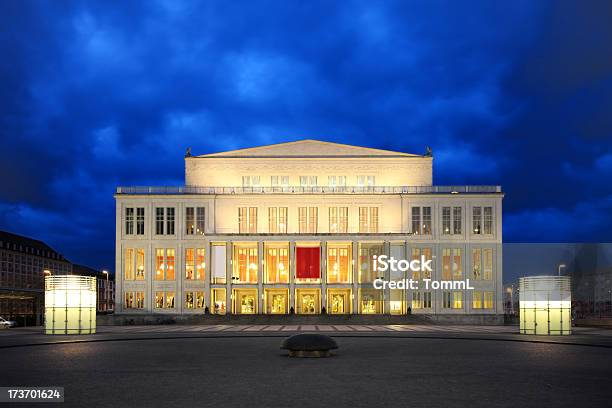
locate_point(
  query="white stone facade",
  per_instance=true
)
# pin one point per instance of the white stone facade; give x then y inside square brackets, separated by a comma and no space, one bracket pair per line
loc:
[294,176]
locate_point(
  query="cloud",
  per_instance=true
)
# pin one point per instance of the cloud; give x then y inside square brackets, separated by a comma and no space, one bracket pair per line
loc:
[94,95]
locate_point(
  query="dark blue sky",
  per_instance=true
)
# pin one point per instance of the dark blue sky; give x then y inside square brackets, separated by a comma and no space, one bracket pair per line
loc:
[93,95]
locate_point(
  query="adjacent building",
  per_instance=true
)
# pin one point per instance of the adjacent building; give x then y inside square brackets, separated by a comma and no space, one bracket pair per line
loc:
[293,228]
[105,287]
[23,264]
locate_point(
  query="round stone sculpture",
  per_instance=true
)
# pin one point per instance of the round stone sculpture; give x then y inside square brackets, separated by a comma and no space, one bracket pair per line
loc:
[309,345]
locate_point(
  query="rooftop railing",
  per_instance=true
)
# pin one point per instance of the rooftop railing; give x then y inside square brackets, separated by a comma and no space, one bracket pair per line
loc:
[152,190]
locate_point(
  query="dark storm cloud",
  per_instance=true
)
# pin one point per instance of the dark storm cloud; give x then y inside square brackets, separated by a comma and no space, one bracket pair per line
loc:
[93,95]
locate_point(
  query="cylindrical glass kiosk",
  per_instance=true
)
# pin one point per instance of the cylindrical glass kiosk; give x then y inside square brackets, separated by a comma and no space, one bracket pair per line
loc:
[545,305]
[70,304]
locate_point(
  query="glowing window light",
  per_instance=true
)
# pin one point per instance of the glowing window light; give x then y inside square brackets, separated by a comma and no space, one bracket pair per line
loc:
[545,305]
[70,304]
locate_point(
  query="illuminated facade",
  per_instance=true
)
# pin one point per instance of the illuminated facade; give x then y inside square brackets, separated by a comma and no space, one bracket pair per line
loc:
[292,228]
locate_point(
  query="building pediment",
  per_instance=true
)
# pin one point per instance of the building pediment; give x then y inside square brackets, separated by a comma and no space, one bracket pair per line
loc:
[309,148]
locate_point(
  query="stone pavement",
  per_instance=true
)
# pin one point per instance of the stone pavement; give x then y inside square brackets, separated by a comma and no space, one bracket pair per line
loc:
[34,335]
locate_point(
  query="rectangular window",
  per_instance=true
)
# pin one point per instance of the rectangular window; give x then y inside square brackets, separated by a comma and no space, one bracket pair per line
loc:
[129,221]
[246,181]
[159,221]
[170,221]
[164,264]
[336,181]
[426,300]
[457,220]
[487,255]
[277,220]
[446,221]
[339,264]
[477,220]
[426,221]
[134,300]
[129,264]
[189,220]
[457,300]
[140,262]
[446,264]
[164,300]
[451,225]
[308,181]
[366,181]
[488,220]
[308,220]
[368,219]
[476,263]
[416,255]
[488,300]
[421,220]
[417,300]
[277,263]
[189,263]
[245,264]
[338,219]
[446,300]
[189,303]
[416,220]
[247,220]
[218,301]
[140,221]
[219,263]
[367,273]
[194,300]
[457,269]
[256,181]
[476,299]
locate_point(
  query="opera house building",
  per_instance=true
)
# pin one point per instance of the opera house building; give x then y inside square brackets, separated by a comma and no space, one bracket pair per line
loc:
[293,228]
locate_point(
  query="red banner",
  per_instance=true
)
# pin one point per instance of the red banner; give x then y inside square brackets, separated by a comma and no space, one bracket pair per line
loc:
[308,264]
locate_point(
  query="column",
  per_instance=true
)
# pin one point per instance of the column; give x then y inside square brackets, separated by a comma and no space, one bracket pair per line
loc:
[387,291]
[260,269]
[324,275]
[207,274]
[356,269]
[292,275]
[228,278]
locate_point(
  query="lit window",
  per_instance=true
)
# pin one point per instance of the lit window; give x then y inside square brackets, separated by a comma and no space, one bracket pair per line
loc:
[488,300]
[277,220]
[247,220]
[451,225]
[367,273]
[129,264]
[164,300]
[476,299]
[245,264]
[338,219]
[277,263]
[218,301]
[164,264]
[339,264]
[194,263]
[308,220]
[368,219]
[416,255]
[421,220]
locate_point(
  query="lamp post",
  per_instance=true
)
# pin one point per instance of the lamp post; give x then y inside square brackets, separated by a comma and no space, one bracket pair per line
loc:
[559,269]
[105,272]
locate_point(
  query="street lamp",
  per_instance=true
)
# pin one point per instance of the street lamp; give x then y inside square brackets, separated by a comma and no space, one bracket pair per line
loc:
[559,269]
[47,272]
[105,272]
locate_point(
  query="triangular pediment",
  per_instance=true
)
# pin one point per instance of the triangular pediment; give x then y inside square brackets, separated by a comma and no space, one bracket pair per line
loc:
[309,148]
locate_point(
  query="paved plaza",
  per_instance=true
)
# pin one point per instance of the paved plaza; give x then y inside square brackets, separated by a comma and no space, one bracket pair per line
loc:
[384,367]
